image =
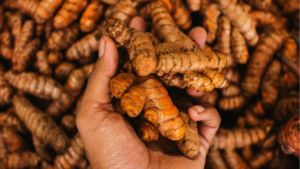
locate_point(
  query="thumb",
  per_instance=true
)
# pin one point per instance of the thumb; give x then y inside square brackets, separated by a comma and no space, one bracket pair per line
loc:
[97,89]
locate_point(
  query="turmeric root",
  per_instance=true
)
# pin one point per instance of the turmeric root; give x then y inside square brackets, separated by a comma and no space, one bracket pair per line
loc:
[6,37]
[232,75]
[54,58]
[120,83]
[83,48]
[24,35]
[288,136]
[160,110]
[260,4]
[28,6]
[197,81]
[125,10]
[166,48]
[22,159]
[242,137]
[63,70]
[215,160]
[240,19]
[210,21]
[231,90]
[40,124]
[182,16]
[6,51]
[247,153]
[23,58]
[40,86]
[259,60]
[147,131]
[234,161]
[68,13]
[46,10]
[10,119]
[42,149]
[194,5]
[15,21]
[91,15]
[175,80]
[6,91]
[63,38]
[133,101]
[286,107]
[223,35]
[261,158]
[262,18]
[13,141]
[68,124]
[3,150]
[270,85]
[139,47]
[42,63]
[231,103]
[239,46]
[72,157]
[189,145]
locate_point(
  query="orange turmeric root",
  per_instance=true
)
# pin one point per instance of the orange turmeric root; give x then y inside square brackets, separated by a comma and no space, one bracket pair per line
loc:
[223,35]
[232,75]
[120,83]
[139,47]
[13,141]
[42,149]
[231,103]
[260,4]
[215,160]
[270,85]
[63,70]
[42,63]
[23,159]
[133,101]
[91,15]
[193,5]
[234,161]
[239,137]
[10,119]
[262,18]
[54,58]
[46,10]
[147,131]
[288,136]
[261,158]
[68,13]
[40,124]
[68,124]
[210,21]
[28,6]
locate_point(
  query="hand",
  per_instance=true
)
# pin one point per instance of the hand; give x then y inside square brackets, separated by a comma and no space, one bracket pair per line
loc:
[111,142]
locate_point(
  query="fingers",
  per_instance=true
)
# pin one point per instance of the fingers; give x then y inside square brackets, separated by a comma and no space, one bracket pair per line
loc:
[198,34]
[105,68]
[138,23]
[197,96]
[209,120]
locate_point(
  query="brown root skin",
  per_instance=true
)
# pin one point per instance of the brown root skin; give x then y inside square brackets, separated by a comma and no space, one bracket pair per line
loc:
[133,101]
[193,5]
[91,15]
[173,80]
[262,18]
[83,48]
[232,75]
[40,86]
[147,131]
[240,137]
[233,160]
[189,145]
[247,153]
[239,46]
[68,13]
[286,107]
[211,14]
[198,82]
[72,156]
[231,90]
[261,159]
[42,63]
[22,159]
[139,47]
[288,136]
[268,44]
[166,48]
[28,6]
[125,10]
[160,110]
[46,10]
[63,38]
[270,85]
[231,103]
[45,152]
[13,141]
[6,91]
[223,35]
[54,58]
[120,83]
[215,160]
[68,124]
[38,123]
[63,70]
[10,119]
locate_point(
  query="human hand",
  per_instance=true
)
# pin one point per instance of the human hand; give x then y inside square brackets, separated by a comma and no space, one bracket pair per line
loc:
[111,142]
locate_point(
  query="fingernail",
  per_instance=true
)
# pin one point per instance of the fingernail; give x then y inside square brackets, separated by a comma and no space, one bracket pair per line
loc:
[198,109]
[102,47]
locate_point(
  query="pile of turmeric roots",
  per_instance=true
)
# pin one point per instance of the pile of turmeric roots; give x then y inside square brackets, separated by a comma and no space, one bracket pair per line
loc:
[248,69]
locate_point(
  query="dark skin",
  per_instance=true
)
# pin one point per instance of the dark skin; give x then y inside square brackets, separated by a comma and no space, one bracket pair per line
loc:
[111,142]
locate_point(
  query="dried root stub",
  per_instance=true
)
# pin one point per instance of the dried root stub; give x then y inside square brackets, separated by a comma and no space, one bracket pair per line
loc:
[73,156]
[23,159]
[240,137]
[40,124]
[289,137]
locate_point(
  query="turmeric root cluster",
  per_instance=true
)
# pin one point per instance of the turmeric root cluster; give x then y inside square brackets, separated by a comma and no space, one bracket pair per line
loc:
[248,69]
